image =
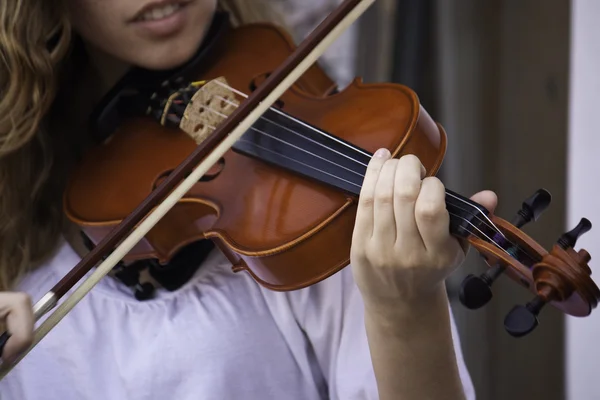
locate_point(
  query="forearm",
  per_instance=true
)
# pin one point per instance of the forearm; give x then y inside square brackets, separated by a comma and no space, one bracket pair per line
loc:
[412,350]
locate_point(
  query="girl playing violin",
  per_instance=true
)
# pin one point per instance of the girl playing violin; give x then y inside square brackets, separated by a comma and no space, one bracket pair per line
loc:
[381,328]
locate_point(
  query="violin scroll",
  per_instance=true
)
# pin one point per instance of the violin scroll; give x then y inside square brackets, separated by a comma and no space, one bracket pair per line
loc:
[560,277]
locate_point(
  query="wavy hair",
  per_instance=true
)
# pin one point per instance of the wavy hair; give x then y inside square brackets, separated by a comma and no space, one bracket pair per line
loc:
[35,152]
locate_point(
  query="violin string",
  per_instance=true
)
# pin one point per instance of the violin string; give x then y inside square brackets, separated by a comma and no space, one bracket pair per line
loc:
[514,247]
[487,223]
[291,144]
[468,212]
[354,184]
[320,132]
[329,136]
[262,117]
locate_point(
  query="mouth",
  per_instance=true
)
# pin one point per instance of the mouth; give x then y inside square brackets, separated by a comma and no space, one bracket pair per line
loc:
[159,10]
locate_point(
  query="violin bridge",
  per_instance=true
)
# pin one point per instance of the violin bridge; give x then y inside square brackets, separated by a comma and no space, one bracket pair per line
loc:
[209,106]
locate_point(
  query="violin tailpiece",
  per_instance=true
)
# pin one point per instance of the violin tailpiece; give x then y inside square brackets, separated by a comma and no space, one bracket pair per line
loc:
[209,106]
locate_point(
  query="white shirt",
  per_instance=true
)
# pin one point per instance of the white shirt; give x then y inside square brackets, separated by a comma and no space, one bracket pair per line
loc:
[221,336]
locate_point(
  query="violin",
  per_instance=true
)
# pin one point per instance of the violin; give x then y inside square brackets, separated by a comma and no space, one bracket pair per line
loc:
[255,150]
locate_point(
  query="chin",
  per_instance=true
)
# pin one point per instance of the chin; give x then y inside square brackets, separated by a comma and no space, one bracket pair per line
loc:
[163,59]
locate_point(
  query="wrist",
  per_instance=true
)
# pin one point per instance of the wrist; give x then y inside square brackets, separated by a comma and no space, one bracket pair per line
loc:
[418,333]
[404,310]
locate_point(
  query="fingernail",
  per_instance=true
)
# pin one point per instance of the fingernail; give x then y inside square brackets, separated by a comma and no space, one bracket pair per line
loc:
[382,153]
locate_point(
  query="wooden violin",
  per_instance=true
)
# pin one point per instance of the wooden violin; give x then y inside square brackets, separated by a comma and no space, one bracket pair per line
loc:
[258,152]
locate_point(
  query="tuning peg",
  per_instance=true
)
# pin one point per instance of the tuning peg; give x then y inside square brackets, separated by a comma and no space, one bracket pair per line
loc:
[522,320]
[569,239]
[476,291]
[533,207]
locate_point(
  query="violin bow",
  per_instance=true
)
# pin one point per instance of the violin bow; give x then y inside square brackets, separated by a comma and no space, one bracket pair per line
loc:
[151,210]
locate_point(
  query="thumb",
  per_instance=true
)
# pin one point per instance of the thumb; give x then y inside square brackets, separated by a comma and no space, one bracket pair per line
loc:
[486,198]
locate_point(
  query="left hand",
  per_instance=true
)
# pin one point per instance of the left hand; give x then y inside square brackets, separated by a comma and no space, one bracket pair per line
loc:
[401,247]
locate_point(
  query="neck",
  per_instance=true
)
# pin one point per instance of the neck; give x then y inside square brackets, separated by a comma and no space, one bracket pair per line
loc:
[107,69]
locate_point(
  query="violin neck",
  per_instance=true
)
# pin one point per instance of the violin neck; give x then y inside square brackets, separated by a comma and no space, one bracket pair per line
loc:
[294,145]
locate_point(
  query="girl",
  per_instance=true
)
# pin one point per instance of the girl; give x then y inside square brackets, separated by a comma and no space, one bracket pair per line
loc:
[219,336]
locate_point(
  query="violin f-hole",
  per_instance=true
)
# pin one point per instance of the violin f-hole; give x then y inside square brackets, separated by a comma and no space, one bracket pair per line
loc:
[211,174]
[257,80]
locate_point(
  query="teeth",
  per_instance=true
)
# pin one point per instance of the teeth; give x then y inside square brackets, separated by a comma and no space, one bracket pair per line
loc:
[160,13]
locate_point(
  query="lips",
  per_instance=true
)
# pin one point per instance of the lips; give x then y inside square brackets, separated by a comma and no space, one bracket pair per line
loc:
[159,10]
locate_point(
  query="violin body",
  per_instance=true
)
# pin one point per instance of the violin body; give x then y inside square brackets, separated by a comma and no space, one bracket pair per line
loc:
[286,230]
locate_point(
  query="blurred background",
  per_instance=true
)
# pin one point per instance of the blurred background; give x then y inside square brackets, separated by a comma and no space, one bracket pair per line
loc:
[514,82]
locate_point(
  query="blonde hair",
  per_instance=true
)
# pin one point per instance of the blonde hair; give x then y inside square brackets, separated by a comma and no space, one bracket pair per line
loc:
[35,38]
